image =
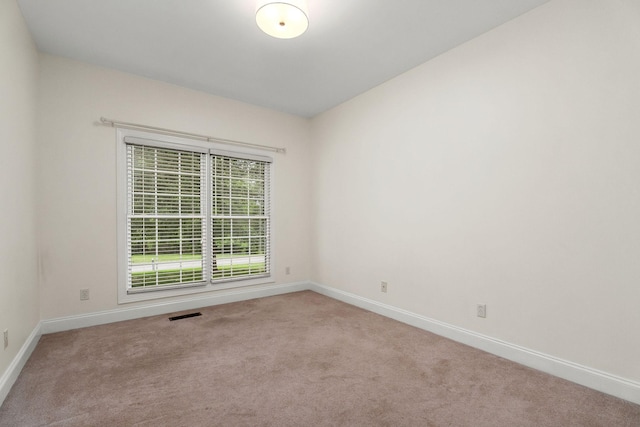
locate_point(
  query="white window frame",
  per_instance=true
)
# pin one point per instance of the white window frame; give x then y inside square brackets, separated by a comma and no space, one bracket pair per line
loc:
[126,295]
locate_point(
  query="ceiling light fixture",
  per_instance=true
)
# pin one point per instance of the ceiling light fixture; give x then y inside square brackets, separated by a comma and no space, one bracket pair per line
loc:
[282,19]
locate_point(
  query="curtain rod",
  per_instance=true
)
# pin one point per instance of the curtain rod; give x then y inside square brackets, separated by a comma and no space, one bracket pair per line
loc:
[170,132]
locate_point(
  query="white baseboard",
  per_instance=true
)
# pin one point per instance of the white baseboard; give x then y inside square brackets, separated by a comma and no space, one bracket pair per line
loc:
[163,307]
[10,376]
[583,375]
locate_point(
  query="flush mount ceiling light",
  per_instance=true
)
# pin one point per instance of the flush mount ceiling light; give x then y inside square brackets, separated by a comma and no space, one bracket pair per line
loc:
[282,19]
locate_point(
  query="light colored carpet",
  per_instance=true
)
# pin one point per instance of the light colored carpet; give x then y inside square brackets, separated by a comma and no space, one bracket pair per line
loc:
[300,359]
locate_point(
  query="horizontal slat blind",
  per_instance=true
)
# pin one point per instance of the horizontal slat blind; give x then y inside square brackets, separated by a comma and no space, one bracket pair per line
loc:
[240,218]
[165,217]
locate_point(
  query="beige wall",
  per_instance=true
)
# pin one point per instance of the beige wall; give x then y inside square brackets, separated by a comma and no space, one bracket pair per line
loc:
[504,172]
[18,237]
[77,203]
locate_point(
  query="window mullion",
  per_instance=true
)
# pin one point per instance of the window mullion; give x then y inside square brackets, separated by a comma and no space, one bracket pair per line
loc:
[205,207]
[180,231]
[157,211]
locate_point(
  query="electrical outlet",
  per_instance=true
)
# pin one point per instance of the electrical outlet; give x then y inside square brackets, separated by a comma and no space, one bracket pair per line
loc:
[6,338]
[287,270]
[84,294]
[383,287]
[481,310]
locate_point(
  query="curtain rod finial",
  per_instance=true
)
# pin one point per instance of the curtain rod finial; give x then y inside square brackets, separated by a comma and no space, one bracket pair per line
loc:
[106,121]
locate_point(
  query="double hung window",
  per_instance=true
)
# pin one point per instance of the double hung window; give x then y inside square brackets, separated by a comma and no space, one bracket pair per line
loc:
[190,217]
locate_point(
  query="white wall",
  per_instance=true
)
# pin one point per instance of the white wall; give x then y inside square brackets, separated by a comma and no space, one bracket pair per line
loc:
[505,172]
[77,203]
[18,237]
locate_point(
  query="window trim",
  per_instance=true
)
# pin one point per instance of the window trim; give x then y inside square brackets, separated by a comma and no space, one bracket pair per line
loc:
[182,143]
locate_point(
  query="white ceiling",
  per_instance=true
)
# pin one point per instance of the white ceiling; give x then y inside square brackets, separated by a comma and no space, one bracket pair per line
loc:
[215,46]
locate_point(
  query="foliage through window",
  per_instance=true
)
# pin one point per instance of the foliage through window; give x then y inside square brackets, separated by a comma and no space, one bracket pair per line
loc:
[194,216]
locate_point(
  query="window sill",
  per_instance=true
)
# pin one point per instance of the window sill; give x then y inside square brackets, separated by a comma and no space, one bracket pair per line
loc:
[125,298]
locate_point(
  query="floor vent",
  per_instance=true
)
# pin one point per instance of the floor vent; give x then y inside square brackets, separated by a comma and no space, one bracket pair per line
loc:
[185,316]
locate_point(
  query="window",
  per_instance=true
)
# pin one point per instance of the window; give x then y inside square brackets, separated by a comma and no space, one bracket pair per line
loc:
[239,217]
[191,218]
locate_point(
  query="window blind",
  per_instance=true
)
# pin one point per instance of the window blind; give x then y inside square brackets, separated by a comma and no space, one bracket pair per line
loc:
[240,217]
[194,216]
[166,218]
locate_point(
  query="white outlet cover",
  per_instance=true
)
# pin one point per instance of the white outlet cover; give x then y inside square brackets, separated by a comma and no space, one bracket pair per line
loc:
[482,310]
